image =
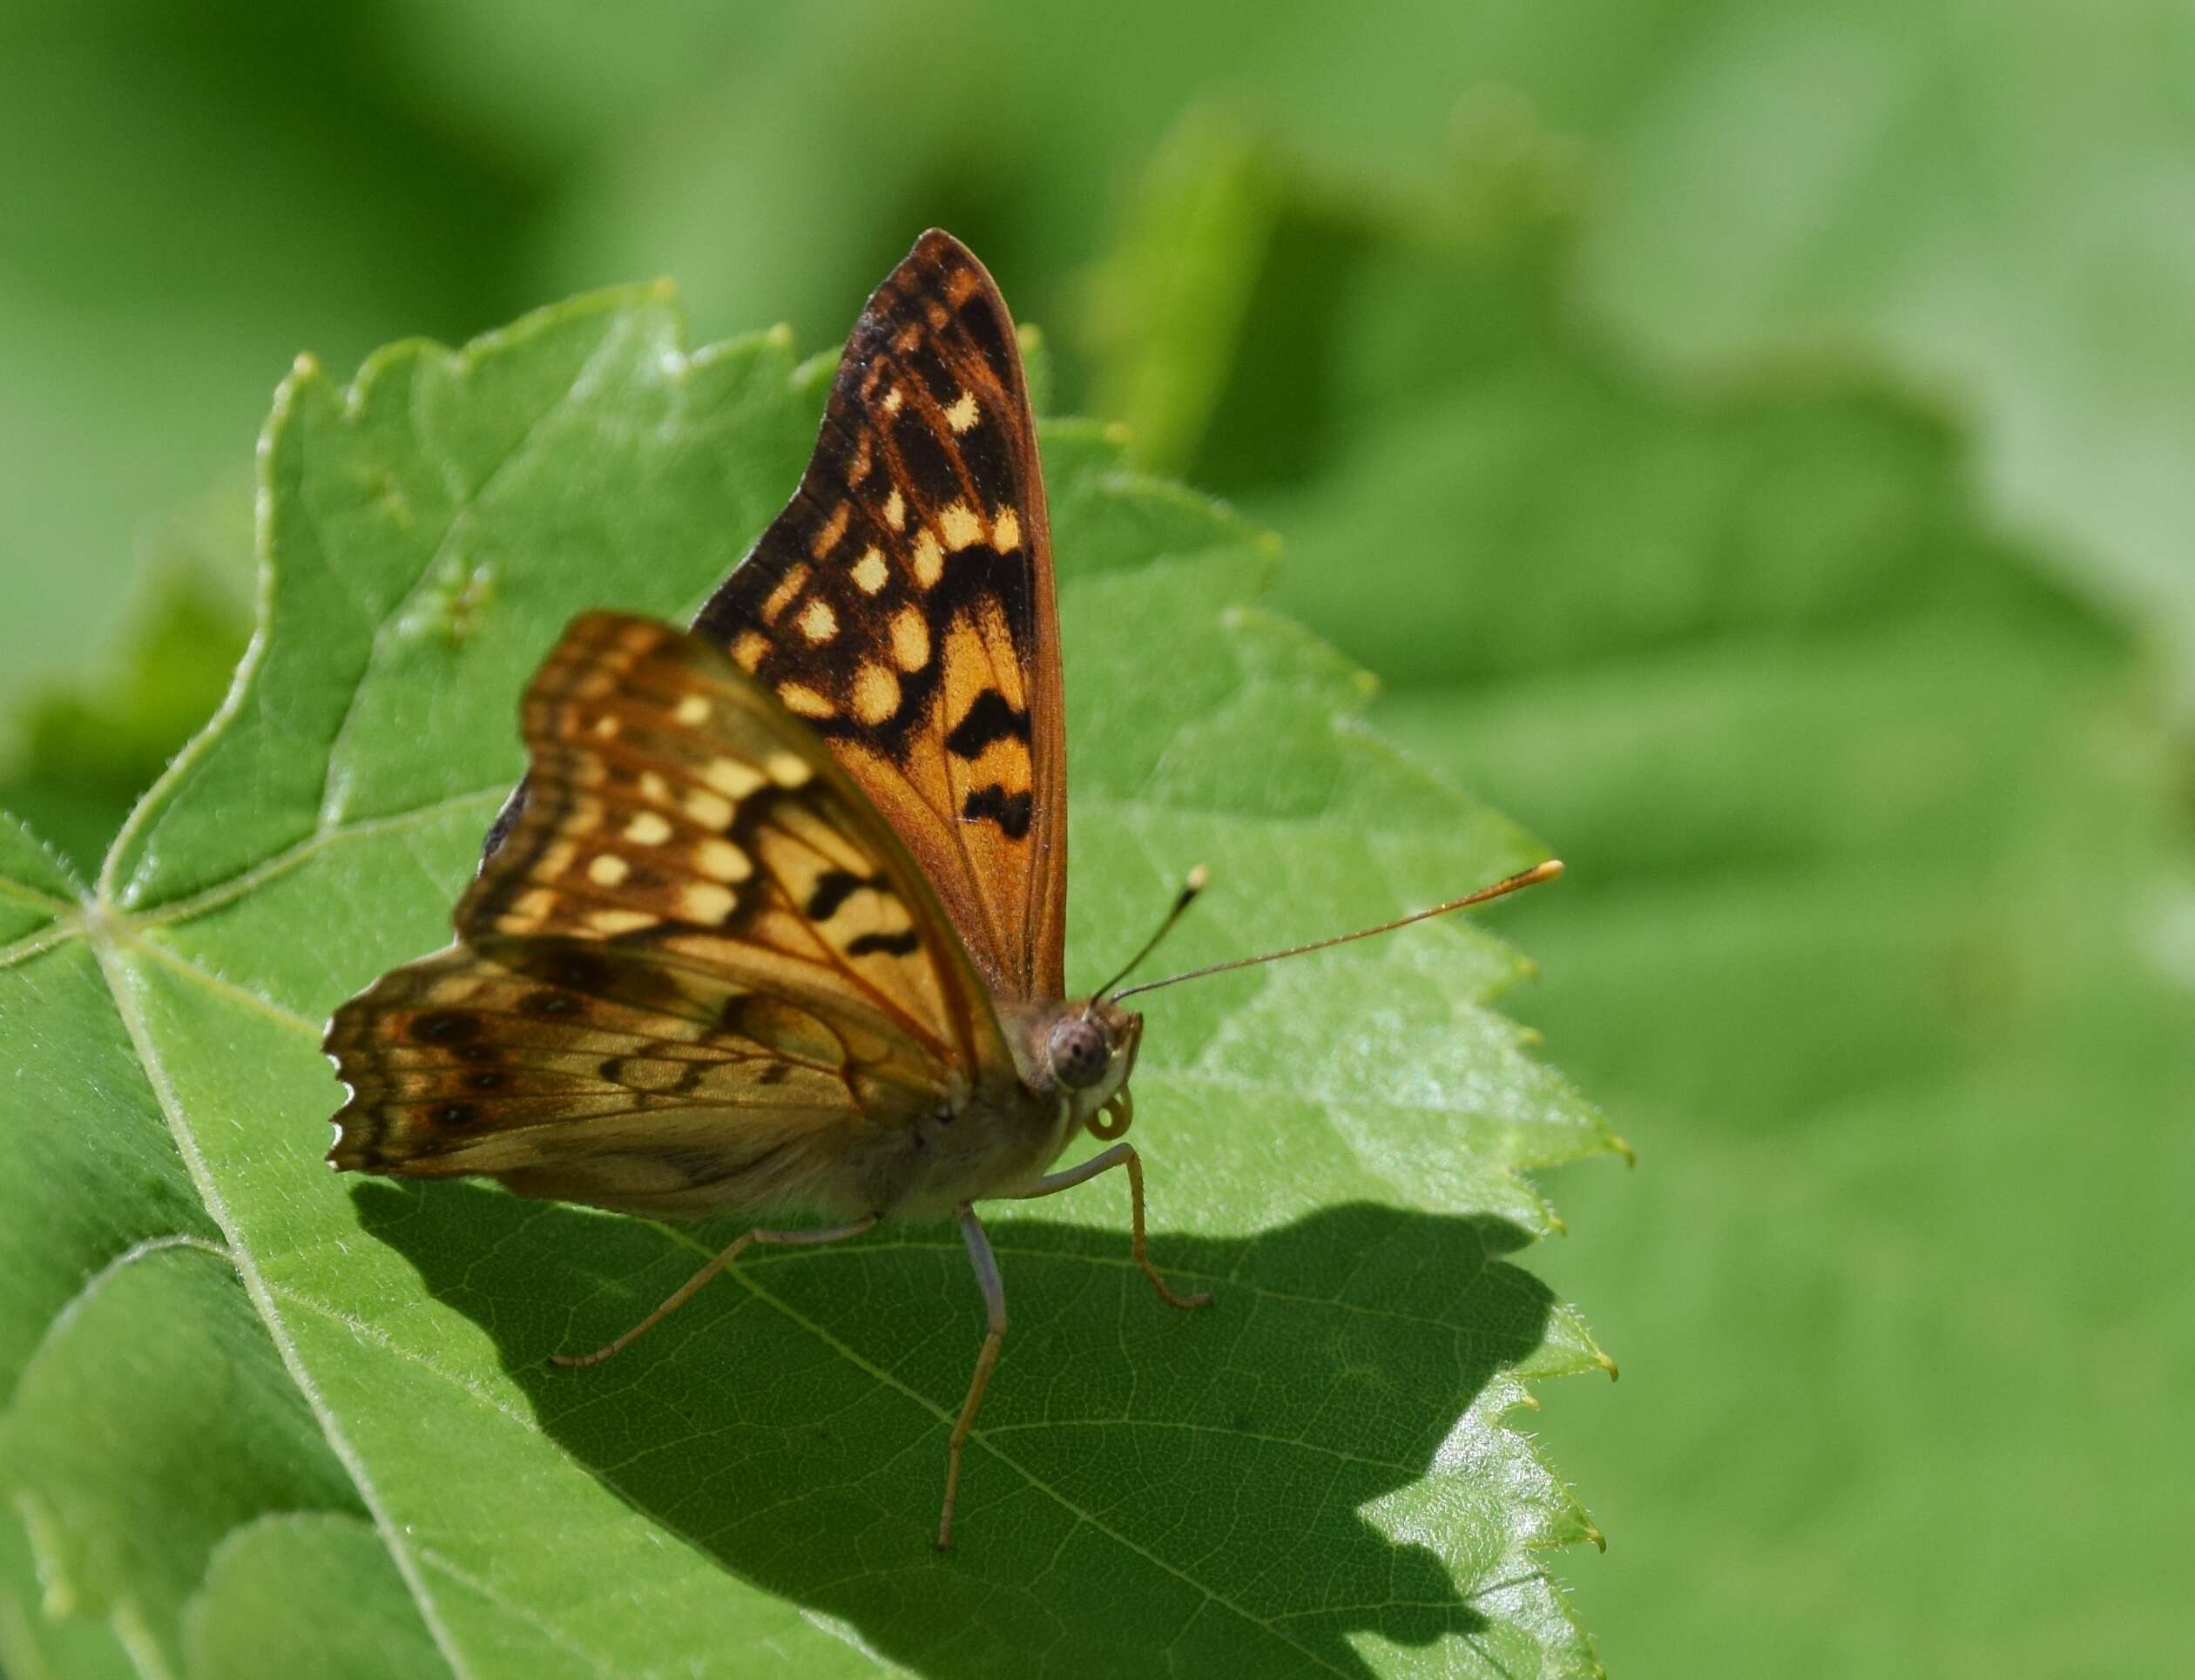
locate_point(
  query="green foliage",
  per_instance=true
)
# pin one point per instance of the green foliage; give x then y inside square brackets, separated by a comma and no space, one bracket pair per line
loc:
[1647,392]
[90,746]
[265,1421]
[1879,931]
[189,195]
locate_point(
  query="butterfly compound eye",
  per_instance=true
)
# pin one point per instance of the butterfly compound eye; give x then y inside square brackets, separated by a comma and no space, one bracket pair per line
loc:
[1077,1052]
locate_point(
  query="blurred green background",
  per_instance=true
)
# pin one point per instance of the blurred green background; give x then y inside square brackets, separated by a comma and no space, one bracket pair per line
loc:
[1749,439]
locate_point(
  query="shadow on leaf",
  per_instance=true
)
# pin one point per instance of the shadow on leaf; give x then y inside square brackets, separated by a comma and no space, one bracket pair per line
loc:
[1142,1479]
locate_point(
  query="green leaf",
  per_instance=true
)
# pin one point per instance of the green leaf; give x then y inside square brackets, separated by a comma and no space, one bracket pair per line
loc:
[1879,927]
[227,1366]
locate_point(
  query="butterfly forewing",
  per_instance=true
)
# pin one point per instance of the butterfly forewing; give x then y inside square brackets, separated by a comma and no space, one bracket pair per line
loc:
[696,938]
[901,606]
[672,808]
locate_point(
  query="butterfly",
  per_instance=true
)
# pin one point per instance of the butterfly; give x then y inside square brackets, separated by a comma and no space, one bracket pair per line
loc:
[775,922]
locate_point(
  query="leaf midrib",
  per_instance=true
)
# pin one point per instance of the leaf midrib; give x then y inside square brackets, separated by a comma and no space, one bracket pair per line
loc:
[110,957]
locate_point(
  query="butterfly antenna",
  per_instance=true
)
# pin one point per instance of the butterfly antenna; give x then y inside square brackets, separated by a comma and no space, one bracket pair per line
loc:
[1196,880]
[1530,877]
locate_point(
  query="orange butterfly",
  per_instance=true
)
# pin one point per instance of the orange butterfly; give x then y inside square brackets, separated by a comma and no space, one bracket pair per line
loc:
[776,921]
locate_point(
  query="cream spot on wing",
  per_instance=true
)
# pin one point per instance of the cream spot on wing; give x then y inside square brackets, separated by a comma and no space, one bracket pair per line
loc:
[788,769]
[531,906]
[693,709]
[964,413]
[877,694]
[648,828]
[998,647]
[620,921]
[960,286]
[608,870]
[710,810]
[606,724]
[892,400]
[781,597]
[750,649]
[638,1073]
[834,528]
[910,639]
[722,859]
[1006,531]
[895,510]
[729,776]
[639,638]
[653,788]
[870,571]
[799,697]
[930,559]
[959,526]
[817,622]
[706,902]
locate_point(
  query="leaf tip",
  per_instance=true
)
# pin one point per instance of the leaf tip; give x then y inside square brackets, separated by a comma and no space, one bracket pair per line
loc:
[1607,1365]
[779,335]
[1594,1534]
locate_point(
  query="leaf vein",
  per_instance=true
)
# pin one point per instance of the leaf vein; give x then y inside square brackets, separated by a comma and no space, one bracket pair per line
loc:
[458,513]
[945,1415]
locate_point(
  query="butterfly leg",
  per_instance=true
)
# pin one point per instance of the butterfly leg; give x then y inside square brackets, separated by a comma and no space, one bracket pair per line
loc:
[687,1290]
[986,1265]
[1120,1155]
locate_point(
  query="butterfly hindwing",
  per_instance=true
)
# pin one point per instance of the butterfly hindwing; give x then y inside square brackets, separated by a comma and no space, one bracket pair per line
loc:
[696,937]
[902,607]
[562,1085]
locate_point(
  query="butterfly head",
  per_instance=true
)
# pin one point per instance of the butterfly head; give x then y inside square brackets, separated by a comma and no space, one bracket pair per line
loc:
[1090,1049]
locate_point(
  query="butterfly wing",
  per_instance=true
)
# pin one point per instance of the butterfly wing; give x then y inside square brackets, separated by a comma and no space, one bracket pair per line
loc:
[901,606]
[699,972]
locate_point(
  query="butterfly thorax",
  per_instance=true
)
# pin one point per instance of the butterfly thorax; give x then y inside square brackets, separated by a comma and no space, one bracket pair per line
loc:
[999,1141]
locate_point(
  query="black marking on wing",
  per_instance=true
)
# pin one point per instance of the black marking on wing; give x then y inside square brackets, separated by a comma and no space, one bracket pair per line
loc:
[446,1027]
[991,719]
[905,942]
[1009,810]
[833,888]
